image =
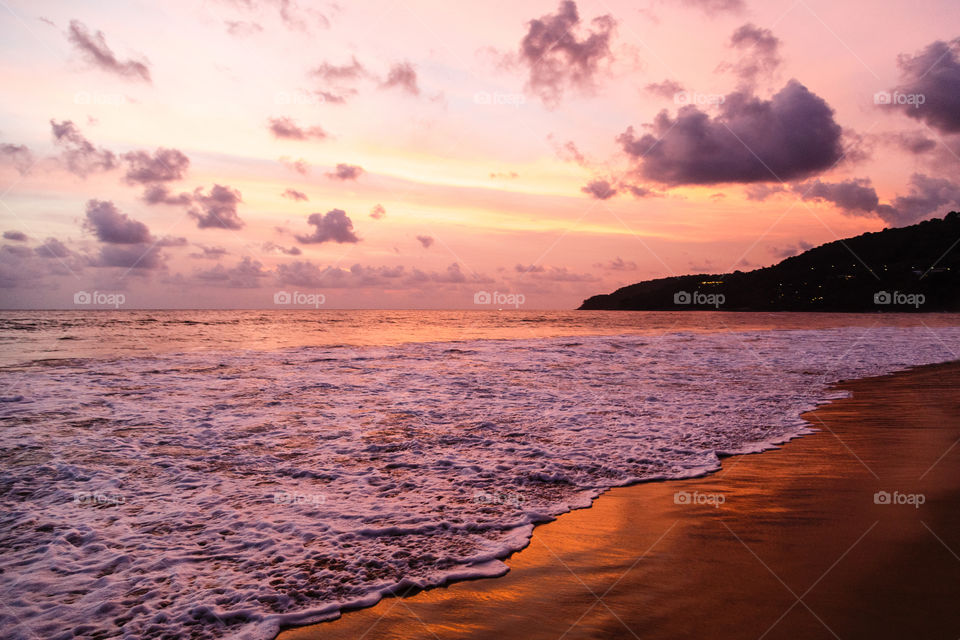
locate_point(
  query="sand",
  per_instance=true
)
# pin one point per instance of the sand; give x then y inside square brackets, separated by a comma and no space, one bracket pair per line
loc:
[785,544]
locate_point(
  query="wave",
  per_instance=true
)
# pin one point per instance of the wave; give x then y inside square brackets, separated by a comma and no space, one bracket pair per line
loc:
[208,495]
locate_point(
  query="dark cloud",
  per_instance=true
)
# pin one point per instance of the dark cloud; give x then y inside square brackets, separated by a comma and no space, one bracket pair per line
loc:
[529,268]
[426,241]
[403,76]
[333,98]
[567,151]
[16,236]
[346,172]
[113,227]
[557,58]
[80,156]
[271,247]
[666,89]
[209,253]
[934,74]
[714,7]
[926,196]
[287,129]
[332,226]
[218,208]
[640,192]
[599,189]
[792,135]
[791,250]
[161,194]
[761,51]
[913,142]
[378,212]
[246,274]
[171,241]
[617,264]
[339,80]
[856,195]
[293,194]
[135,256]
[18,155]
[52,248]
[164,165]
[340,73]
[760,192]
[94,48]
[299,165]
[302,273]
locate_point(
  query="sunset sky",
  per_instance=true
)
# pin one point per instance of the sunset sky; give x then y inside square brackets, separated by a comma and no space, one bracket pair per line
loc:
[412,153]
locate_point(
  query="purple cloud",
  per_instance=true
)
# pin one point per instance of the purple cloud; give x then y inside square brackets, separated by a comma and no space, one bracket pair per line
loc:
[932,77]
[293,194]
[666,89]
[219,208]
[346,172]
[106,222]
[761,52]
[161,194]
[246,274]
[792,135]
[857,197]
[403,76]
[299,165]
[332,226]
[599,189]
[18,155]
[164,165]
[558,58]
[80,156]
[286,128]
[94,48]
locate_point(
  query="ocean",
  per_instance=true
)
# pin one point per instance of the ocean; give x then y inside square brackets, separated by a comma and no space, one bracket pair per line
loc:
[212,474]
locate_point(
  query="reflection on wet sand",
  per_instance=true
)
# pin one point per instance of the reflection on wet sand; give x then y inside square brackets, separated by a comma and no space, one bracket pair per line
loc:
[787,544]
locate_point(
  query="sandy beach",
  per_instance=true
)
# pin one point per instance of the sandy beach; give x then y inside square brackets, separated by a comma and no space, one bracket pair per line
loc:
[790,543]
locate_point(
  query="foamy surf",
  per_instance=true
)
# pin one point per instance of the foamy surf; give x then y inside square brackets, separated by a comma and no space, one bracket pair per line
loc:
[218,495]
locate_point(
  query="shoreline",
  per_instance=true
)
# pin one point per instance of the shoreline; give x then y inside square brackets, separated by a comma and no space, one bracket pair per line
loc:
[580,541]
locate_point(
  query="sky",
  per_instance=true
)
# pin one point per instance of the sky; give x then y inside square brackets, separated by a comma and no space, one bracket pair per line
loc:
[418,153]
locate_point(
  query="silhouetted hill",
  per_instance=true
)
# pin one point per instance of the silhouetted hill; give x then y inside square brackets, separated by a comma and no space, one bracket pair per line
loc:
[915,268]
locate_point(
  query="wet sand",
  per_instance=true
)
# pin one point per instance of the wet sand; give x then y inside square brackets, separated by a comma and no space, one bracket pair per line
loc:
[798,548]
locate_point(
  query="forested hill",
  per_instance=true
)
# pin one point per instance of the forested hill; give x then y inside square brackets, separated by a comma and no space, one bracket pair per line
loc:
[914,268]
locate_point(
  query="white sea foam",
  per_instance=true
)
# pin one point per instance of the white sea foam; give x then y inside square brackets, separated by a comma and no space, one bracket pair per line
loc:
[226,495]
